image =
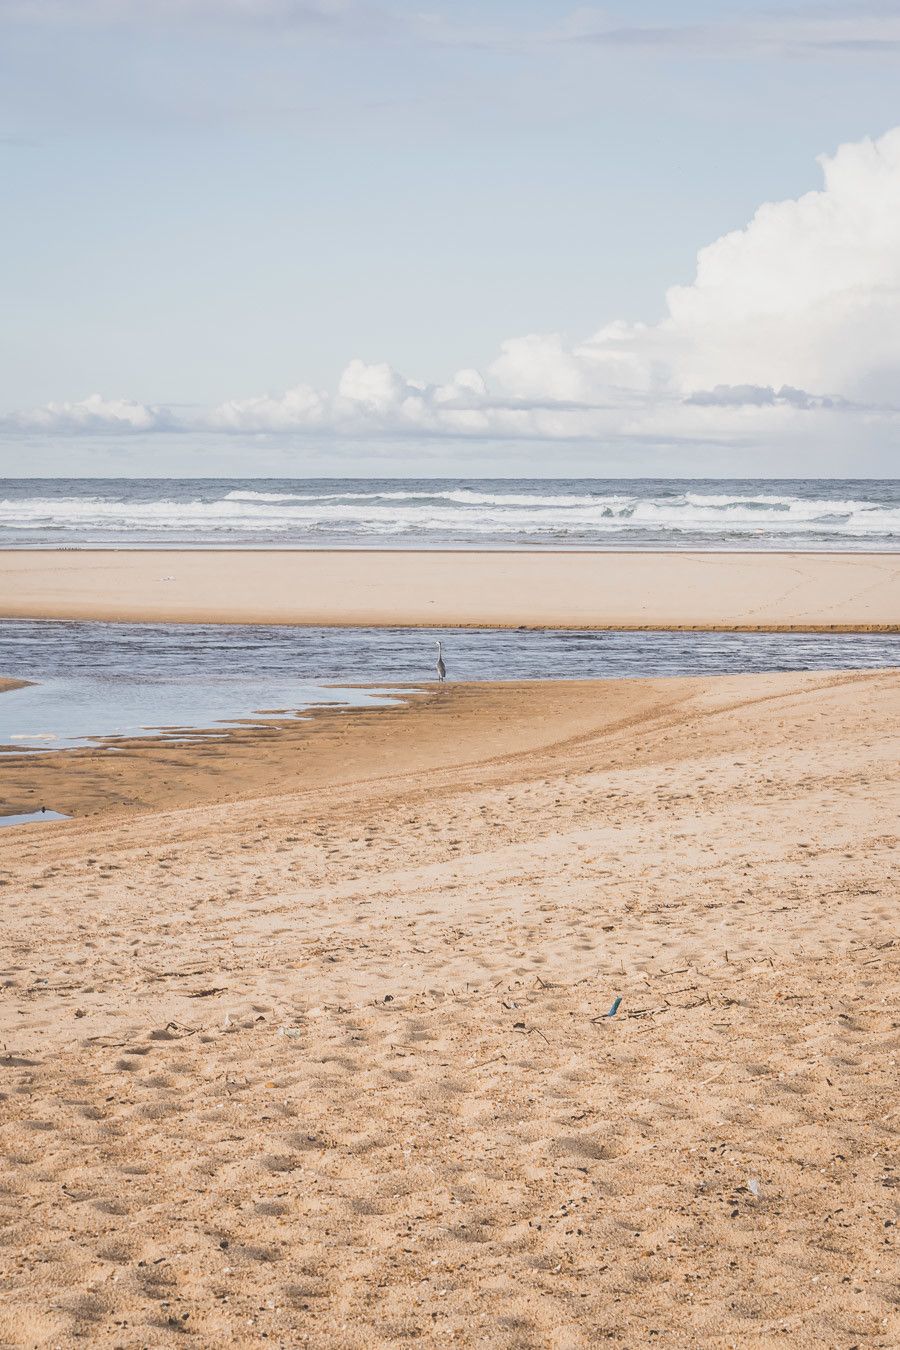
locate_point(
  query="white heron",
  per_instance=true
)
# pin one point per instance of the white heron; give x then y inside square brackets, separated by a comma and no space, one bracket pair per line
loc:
[440,667]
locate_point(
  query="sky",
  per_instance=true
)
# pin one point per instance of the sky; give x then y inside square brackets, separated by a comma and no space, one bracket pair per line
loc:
[513,237]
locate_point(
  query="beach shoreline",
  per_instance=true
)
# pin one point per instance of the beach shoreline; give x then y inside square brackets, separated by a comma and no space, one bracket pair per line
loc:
[426,729]
[600,590]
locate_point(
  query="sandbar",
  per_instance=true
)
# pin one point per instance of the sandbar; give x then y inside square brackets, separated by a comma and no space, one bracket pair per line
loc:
[6,685]
[831,592]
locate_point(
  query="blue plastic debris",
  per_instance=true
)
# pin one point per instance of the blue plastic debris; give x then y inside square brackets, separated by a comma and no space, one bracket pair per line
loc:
[615,1008]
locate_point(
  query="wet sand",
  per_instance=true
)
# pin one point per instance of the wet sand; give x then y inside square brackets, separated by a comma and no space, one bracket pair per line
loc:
[322,1059]
[680,590]
[6,685]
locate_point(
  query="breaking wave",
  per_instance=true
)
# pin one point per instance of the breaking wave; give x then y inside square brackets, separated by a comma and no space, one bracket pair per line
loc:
[561,513]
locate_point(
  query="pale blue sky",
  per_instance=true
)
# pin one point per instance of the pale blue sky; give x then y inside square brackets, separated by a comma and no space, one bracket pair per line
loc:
[208,200]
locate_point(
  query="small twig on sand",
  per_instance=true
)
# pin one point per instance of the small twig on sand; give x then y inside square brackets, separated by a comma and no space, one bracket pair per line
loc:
[536,1031]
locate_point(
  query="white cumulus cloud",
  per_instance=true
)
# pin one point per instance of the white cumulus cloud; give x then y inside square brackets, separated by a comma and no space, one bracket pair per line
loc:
[93,413]
[790,327]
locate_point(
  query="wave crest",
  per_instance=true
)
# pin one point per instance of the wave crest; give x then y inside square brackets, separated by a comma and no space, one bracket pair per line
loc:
[539,512]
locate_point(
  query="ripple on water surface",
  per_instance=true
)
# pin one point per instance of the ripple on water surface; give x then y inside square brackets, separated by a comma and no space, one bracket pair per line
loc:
[107,679]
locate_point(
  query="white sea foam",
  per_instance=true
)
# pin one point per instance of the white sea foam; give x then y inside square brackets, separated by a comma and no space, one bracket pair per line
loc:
[307,512]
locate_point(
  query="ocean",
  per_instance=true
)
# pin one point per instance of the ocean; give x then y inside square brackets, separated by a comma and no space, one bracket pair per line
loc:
[825,514]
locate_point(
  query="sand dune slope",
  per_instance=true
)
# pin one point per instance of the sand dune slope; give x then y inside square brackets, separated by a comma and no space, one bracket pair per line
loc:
[331,1067]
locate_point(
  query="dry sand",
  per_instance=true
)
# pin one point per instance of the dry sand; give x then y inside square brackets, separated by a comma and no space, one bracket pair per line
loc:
[330,1066]
[748,591]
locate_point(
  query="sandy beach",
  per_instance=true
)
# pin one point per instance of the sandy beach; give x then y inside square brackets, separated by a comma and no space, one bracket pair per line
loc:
[449,676]
[729,591]
[305,1038]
